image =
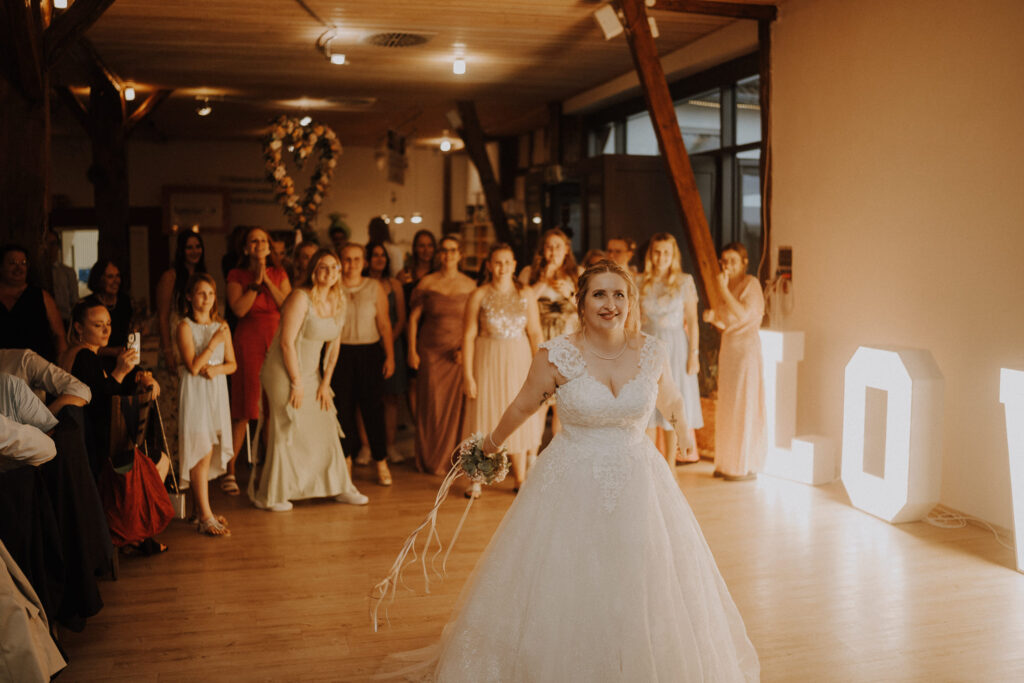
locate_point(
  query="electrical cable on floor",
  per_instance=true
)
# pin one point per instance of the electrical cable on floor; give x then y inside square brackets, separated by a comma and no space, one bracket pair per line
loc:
[947,519]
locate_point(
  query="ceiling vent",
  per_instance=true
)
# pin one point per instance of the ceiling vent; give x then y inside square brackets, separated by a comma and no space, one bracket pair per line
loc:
[397,39]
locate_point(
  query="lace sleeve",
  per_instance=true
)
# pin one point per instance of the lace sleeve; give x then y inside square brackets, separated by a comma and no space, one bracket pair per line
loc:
[565,356]
[653,355]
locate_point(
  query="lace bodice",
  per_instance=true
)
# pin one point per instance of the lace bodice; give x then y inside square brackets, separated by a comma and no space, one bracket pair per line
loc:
[664,310]
[598,427]
[503,315]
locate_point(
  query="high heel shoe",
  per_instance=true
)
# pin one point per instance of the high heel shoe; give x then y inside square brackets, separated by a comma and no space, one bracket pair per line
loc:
[383,473]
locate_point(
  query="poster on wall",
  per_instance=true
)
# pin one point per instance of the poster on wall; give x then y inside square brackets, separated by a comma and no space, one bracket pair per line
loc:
[195,208]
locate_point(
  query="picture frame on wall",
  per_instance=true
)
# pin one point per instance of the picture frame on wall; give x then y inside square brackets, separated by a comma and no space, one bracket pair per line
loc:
[204,208]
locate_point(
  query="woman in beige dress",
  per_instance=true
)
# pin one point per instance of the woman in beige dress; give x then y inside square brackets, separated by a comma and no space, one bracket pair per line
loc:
[304,455]
[739,413]
[552,276]
[502,333]
[437,308]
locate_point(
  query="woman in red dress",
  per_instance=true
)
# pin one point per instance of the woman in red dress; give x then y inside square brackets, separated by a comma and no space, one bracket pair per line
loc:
[256,290]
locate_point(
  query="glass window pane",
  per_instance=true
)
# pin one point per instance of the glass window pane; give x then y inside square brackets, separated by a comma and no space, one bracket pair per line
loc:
[748,110]
[750,210]
[700,121]
[640,138]
[601,141]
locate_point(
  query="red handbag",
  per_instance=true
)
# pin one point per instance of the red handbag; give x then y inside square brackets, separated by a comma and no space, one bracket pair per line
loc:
[135,501]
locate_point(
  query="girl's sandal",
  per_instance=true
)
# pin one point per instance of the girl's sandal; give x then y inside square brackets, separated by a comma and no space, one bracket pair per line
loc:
[229,485]
[213,527]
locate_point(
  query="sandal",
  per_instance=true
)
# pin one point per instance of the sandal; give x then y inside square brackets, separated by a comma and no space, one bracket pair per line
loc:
[213,527]
[229,485]
[383,473]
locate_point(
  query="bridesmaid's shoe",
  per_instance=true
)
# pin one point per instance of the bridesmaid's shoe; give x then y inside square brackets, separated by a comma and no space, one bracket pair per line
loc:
[363,456]
[352,498]
[740,477]
[718,474]
[473,491]
[383,473]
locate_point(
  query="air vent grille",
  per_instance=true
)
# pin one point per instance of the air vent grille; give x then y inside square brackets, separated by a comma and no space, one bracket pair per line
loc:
[397,39]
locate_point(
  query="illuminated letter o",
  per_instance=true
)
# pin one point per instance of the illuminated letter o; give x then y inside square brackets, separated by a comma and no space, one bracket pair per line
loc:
[911,438]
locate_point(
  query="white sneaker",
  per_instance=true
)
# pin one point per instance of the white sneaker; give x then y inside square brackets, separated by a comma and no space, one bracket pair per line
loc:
[363,457]
[395,456]
[280,507]
[352,498]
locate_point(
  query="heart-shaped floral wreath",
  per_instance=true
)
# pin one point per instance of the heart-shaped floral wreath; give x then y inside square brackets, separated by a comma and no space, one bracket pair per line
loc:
[287,134]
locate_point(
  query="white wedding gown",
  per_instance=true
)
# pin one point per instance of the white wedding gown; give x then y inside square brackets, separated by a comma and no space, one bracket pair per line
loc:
[599,571]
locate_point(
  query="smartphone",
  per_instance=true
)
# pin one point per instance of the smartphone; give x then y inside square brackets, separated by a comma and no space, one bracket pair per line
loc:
[134,341]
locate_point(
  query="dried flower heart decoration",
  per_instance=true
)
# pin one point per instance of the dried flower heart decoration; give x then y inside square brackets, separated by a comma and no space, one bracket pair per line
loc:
[287,134]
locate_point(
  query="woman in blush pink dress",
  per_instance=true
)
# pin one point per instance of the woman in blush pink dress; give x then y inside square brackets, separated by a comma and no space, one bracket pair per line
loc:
[740,417]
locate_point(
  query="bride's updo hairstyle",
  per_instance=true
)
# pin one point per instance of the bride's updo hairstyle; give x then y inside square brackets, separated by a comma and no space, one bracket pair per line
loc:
[632,326]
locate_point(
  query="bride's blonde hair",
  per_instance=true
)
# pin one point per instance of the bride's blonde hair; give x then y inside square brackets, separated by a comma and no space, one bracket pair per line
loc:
[632,325]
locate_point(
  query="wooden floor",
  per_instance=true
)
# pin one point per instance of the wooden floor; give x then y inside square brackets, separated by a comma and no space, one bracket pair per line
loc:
[828,593]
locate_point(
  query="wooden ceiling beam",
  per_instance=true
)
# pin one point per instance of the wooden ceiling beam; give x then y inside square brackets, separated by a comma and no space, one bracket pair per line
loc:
[145,109]
[733,10]
[70,25]
[473,135]
[74,105]
[673,151]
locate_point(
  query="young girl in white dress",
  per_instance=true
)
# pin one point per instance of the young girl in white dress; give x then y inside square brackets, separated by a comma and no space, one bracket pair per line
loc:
[668,300]
[204,413]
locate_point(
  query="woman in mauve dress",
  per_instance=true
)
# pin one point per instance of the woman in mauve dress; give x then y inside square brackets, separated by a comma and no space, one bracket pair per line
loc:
[437,308]
[739,414]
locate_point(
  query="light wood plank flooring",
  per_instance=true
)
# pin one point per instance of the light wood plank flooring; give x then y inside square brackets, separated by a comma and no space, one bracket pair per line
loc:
[828,593]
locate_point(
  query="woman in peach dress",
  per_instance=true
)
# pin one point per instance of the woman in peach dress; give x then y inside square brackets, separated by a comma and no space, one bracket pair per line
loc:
[739,414]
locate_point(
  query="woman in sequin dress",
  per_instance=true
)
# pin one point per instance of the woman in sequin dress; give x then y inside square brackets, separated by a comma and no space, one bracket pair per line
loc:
[502,332]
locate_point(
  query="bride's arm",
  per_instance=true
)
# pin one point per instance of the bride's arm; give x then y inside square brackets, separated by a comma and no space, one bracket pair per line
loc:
[539,386]
[670,401]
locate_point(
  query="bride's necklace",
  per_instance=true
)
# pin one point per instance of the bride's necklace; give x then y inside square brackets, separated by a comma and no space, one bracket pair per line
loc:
[614,356]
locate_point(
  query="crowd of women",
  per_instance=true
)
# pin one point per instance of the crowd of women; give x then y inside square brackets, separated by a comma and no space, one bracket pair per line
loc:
[342,341]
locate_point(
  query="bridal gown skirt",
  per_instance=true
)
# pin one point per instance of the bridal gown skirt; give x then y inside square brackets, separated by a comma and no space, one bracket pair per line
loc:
[599,572]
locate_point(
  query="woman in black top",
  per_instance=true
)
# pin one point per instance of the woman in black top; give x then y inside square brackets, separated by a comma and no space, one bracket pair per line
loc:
[90,332]
[105,284]
[28,315]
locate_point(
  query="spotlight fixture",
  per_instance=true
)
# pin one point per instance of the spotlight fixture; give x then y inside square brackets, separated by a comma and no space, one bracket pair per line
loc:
[306,120]
[204,108]
[459,66]
[416,218]
[323,44]
[446,143]
[129,93]
[398,220]
[536,219]
[385,218]
[60,4]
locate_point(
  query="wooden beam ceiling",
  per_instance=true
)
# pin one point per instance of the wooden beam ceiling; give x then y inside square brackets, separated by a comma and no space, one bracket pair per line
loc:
[733,10]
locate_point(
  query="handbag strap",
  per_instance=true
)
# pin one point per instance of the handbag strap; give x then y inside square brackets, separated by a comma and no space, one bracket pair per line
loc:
[167,450]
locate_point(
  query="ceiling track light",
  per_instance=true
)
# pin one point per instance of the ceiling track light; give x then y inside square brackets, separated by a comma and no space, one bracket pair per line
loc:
[446,142]
[323,44]
[129,93]
[305,120]
[459,66]
[203,107]
[60,4]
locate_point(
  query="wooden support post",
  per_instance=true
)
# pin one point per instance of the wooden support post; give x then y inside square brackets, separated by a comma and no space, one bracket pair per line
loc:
[109,170]
[473,135]
[67,27]
[673,152]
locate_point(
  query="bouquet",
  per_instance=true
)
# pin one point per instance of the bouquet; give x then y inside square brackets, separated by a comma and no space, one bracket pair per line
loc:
[469,460]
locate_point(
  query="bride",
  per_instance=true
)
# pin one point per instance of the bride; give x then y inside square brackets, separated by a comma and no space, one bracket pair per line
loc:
[599,571]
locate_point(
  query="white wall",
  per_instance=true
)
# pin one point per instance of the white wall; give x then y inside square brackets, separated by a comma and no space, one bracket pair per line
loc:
[358,189]
[897,145]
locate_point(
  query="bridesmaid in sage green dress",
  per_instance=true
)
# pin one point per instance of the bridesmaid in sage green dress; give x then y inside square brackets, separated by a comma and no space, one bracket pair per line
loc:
[304,454]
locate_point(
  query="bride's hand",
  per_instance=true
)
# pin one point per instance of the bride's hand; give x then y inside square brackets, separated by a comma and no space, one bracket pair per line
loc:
[323,396]
[295,398]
